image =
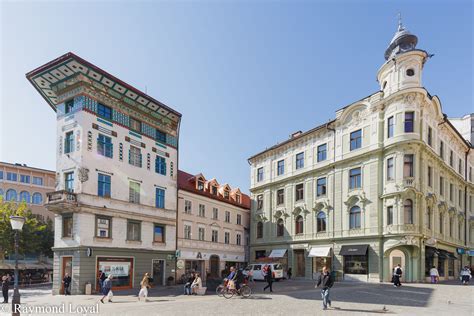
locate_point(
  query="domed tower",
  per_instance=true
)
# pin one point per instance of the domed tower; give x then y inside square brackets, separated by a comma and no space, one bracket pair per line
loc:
[404,63]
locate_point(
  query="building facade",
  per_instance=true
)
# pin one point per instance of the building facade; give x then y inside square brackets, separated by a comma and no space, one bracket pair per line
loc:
[116,193]
[465,126]
[213,224]
[388,181]
[19,182]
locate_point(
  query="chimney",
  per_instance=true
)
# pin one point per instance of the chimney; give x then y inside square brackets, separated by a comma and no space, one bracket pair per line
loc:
[296,134]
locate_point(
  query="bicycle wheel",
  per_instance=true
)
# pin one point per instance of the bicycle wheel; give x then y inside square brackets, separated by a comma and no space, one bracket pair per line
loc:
[245,291]
[220,290]
[228,293]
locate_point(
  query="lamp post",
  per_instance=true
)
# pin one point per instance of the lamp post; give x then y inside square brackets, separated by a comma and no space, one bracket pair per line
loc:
[17,225]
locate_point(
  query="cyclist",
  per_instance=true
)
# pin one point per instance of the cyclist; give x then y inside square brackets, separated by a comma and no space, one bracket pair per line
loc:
[238,279]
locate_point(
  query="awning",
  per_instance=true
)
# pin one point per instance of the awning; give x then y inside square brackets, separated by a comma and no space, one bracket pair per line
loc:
[320,252]
[354,250]
[445,254]
[277,253]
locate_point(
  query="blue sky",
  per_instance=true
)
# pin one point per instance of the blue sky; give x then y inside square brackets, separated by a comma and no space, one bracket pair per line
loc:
[244,74]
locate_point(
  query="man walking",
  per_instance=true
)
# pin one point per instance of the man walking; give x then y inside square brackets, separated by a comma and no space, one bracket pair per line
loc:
[397,274]
[67,284]
[5,287]
[268,274]
[326,281]
[102,278]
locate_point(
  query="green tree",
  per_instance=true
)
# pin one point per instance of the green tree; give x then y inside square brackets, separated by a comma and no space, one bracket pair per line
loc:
[35,238]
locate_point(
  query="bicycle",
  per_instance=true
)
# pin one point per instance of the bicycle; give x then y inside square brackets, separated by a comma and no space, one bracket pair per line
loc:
[225,290]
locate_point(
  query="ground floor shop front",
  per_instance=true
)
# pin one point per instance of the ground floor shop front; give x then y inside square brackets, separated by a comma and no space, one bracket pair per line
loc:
[127,267]
[366,260]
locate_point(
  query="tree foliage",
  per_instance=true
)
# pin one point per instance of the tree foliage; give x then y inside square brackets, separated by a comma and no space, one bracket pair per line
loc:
[36,237]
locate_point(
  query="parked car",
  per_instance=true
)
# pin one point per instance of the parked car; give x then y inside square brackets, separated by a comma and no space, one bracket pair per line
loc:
[257,268]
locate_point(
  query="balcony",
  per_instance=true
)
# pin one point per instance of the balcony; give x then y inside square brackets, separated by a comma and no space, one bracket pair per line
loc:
[409,182]
[58,201]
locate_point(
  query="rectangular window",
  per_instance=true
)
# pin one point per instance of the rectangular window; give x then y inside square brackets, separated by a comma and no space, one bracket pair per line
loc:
[356,139]
[215,213]
[259,202]
[238,239]
[105,146]
[408,171]
[451,159]
[441,149]
[24,178]
[409,122]
[69,106]
[441,185]
[321,187]
[299,192]
[135,125]
[280,196]
[299,160]
[430,136]
[69,142]
[12,176]
[355,178]
[202,210]
[227,216]
[280,167]
[441,224]
[460,166]
[160,136]
[226,237]
[103,227]
[38,180]
[390,169]
[322,152]
[69,181]
[104,185]
[134,192]
[260,174]
[135,156]
[201,233]
[134,230]
[459,198]
[104,111]
[430,176]
[187,231]
[187,207]
[215,236]
[160,165]
[160,198]
[389,215]
[451,192]
[390,127]
[1,174]
[159,233]
[239,219]
[67,225]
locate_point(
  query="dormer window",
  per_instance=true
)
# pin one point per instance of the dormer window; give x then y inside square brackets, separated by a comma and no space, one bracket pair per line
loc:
[226,194]
[200,186]
[214,190]
[237,198]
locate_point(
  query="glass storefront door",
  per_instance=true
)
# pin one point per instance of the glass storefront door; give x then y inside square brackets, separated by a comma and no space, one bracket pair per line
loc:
[120,268]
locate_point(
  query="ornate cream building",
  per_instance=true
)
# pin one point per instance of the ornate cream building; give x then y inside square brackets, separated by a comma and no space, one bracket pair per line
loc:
[388,181]
[213,226]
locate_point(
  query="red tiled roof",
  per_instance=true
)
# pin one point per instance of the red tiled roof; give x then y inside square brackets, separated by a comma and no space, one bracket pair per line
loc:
[186,182]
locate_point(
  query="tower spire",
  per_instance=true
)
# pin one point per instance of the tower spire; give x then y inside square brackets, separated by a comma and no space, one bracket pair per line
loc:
[400,24]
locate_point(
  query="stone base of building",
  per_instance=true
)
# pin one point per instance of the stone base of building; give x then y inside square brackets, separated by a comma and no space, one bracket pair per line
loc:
[126,265]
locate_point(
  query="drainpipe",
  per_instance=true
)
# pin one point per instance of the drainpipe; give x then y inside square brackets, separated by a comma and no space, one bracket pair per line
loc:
[177,208]
[333,192]
[465,200]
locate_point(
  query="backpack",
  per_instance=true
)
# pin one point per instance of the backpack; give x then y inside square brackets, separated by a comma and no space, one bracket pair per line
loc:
[398,271]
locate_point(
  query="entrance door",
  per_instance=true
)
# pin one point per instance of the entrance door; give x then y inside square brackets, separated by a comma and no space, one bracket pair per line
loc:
[214,263]
[66,267]
[397,257]
[300,263]
[158,273]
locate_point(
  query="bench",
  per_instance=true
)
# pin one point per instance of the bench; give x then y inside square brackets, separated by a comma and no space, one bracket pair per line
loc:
[201,291]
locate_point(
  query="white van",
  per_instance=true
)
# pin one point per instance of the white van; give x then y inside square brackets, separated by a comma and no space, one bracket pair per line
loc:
[257,270]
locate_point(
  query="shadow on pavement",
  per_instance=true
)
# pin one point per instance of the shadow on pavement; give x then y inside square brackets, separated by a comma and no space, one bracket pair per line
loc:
[362,310]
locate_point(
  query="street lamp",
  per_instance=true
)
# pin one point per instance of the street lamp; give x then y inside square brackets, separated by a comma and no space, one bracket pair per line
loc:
[17,224]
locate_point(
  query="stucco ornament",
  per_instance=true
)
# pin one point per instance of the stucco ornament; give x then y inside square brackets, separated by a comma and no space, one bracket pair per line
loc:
[409,240]
[83,174]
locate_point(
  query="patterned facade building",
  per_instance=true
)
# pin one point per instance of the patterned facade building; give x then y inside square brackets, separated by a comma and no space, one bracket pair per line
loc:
[116,168]
[388,181]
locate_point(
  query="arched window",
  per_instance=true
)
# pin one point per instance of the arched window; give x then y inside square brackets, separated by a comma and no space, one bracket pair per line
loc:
[321,222]
[37,198]
[354,217]
[408,207]
[25,196]
[11,195]
[280,228]
[299,224]
[428,218]
[259,230]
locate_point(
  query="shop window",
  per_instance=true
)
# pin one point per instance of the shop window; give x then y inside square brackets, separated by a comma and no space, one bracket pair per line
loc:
[355,264]
[121,269]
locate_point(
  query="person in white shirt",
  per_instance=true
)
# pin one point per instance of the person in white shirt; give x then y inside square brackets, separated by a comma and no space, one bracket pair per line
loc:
[465,275]
[434,274]
[197,284]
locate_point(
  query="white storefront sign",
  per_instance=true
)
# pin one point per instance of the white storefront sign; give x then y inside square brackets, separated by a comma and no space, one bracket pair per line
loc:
[201,255]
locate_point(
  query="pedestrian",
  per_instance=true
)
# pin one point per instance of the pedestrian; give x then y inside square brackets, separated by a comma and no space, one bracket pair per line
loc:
[288,273]
[67,283]
[187,285]
[5,287]
[326,281]
[434,274]
[397,274]
[197,284]
[145,285]
[267,273]
[102,278]
[465,275]
[107,289]
[250,275]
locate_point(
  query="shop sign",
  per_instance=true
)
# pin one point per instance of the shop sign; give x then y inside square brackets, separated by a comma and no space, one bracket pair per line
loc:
[199,256]
[117,269]
[471,252]
[180,264]
[460,251]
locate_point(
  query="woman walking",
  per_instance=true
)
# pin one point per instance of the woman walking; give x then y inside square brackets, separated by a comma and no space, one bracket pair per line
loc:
[145,284]
[465,275]
[107,289]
